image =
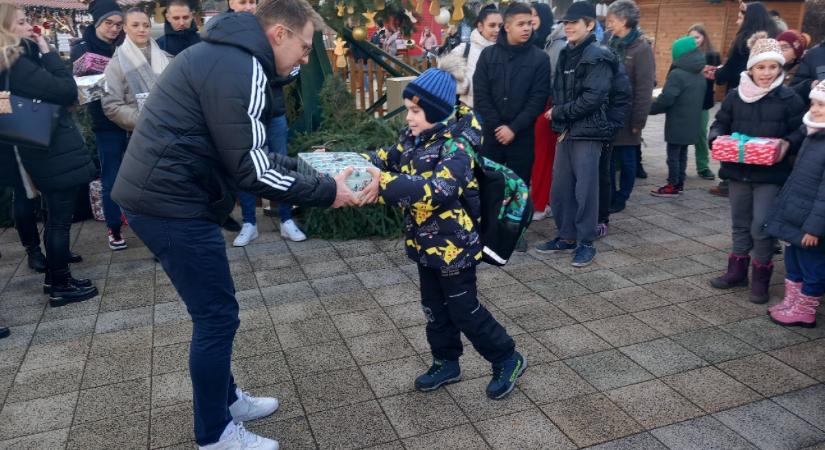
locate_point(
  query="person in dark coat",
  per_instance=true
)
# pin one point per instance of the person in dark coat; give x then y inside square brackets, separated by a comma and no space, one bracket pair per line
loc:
[111,140]
[811,70]
[33,70]
[761,106]
[681,99]
[511,85]
[712,59]
[753,17]
[798,218]
[635,52]
[179,177]
[179,29]
[584,118]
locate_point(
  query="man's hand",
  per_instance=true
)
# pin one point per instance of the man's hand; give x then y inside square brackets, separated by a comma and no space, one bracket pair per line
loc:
[343,194]
[370,193]
[810,240]
[505,135]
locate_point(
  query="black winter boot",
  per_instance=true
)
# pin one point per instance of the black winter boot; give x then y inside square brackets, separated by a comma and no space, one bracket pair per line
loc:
[82,282]
[63,291]
[37,260]
[74,258]
[737,274]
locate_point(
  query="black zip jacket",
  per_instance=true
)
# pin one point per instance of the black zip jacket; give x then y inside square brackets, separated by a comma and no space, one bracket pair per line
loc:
[174,42]
[811,67]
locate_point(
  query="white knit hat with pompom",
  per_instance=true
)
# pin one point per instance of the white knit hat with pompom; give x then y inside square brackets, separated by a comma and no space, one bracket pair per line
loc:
[764,48]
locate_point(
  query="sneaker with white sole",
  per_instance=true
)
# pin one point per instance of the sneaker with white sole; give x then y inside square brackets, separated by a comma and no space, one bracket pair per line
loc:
[247,407]
[236,437]
[116,241]
[290,230]
[249,232]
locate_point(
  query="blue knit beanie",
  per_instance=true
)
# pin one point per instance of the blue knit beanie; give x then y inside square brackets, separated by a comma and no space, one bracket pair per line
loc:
[434,92]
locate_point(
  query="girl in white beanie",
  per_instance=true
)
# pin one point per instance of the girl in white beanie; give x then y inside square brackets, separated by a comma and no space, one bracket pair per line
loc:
[761,106]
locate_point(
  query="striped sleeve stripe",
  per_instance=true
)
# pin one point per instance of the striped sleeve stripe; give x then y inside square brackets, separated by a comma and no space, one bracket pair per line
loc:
[257,101]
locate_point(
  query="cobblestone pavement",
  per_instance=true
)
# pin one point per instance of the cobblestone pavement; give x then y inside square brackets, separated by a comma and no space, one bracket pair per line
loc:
[633,352]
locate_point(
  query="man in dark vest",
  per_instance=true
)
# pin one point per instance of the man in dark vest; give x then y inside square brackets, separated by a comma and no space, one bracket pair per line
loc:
[179,30]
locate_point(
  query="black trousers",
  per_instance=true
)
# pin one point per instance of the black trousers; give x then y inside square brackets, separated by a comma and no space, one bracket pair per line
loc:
[450,303]
[60,206]
[518,156]
[25,217]
[605,183]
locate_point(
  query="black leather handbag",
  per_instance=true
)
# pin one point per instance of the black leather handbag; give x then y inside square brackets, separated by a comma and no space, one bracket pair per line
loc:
[26,122]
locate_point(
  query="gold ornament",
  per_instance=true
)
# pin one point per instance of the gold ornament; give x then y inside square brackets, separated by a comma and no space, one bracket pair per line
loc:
[458,11]
[159,10]
[341,8]
[435,7]
[340,51]
[350,9]
[419,6]
[370,16]
[379,5]
[359,33]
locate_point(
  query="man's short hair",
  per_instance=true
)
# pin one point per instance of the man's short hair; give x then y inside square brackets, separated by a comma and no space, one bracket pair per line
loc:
[293,14]
[516,8]
[185,3]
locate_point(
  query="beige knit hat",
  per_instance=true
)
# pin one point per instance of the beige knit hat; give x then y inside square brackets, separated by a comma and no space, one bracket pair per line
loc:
[818,92]
[764,48]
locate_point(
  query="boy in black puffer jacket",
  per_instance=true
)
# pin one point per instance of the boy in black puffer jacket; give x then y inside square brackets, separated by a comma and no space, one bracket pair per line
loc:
[799,220]
[760,107]
[430,174]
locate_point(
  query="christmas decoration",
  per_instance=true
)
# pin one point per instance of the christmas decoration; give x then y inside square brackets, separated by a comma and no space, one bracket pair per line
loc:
[359,33]
[458,11]
[380,5]
[340,52]
[370,16]
[350,9]
[341,9]
[435,7]
[443,17]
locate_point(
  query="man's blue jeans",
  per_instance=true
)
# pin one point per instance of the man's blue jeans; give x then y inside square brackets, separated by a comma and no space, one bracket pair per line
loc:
[188,249]
[110,148]
[624,156]
[276,134]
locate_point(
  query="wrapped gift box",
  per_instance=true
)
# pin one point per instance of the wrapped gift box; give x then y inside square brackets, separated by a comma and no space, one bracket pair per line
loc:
[89,64]
[739,148]
[90,88]
[332,163]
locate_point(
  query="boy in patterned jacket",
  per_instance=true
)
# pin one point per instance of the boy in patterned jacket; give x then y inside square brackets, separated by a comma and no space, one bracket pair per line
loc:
[430,175]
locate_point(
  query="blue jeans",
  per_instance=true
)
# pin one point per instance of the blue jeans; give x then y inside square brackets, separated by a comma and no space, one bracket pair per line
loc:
[188,249]
[110,148]
[276,134]
[807,266]
[624,156]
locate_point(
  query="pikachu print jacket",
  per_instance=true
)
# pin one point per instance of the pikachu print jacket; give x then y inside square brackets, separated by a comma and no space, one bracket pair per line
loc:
[431,177]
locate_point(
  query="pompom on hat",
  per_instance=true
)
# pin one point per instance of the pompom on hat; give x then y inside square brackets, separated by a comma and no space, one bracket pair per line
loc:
[763,48]
[818,92]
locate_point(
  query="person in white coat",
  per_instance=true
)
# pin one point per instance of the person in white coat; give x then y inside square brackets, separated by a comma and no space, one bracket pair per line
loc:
[488,24]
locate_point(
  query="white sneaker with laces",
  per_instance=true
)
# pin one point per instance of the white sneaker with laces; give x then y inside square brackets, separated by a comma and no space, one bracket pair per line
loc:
[247,407]
[249,233]
[236,437]
[290,230]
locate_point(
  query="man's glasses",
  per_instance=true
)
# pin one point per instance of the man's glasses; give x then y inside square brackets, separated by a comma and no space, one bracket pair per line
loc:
[110,24]
[306,45]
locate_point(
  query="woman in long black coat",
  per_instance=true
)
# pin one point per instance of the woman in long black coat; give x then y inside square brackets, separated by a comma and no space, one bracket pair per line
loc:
[33,70]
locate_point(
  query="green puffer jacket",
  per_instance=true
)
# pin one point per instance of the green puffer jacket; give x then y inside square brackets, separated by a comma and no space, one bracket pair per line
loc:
[682,98]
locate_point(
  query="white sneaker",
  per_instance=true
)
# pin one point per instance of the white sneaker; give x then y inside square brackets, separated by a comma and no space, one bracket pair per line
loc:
[540,215]
[247,407]
[249,233]
[290,230]
[236,437]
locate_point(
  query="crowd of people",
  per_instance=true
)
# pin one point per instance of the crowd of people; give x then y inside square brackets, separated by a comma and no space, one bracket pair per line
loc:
[194,121]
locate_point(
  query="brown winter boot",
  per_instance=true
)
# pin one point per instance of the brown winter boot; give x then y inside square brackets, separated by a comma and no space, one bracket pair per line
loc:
[737,274]
[760,282]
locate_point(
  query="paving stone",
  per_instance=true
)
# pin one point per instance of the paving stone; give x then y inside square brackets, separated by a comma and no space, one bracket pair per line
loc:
[171,388]
[714,345]
[50,440]
[37,416]
[348,302]
[711,389]
[254,342]
[406,314]
[64,330]
[718,312]
[469,395]
[56,353]
[378,347]
[532,350]
[261,370]
[670,320]
[524,430]
[362,322]
[324,269]
[768,425]
[45,382]
[573,340]
[458,438]
[763,334]
[352,426]
[365,263]
[124,319]
[396,294]
[766,375]
[591,419]
[394,377]
[808,357]
[807,404]
[511,296]
[699,434]
[336,285]
[608,370]
[539,316]
[557,288]
[653,404]
[634,299]
[170,358]
[332,389]
[531,271]
[171,425]
[622,330]
[545,383]
[382,277]
[319,358]
[124,432]
[116,368]
[416,413]
[663,357]
[266,278]
[588,307]
[641,441]
[287,293]
[306,332]
[292,433]
[171,333]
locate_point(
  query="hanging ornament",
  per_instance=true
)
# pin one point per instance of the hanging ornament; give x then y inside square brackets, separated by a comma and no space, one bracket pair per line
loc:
[443,17]
[435,7]
[380,5]
[340,51]
[359,33]
[341,9]
[47,25]
[350,9]
[410,14]
[419,6]
[159,18]
[458,11]
[370,16]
